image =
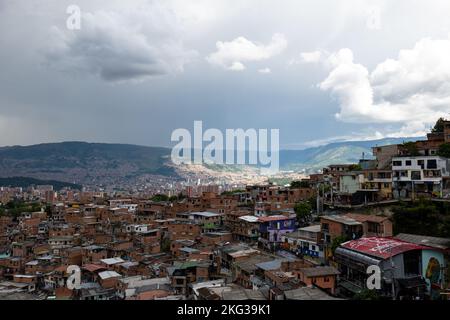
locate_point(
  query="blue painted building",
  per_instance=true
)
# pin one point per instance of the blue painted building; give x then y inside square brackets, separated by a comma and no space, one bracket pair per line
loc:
[272,228]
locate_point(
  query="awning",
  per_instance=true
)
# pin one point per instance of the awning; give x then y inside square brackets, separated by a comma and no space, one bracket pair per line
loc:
[356,256]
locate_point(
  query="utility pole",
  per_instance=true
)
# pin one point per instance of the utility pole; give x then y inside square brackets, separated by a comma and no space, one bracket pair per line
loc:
[323,197]
[318,198]
[331,187]
[392,275]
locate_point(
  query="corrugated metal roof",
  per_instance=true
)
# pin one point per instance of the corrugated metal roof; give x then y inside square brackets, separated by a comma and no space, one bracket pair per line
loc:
[109,274]
[319,271]
[270,265]
[342,219]
[112,261]
[92,267]
[308,293]
[274,218]
[381,247]
[205,214]
[189,250]
[313,228]
[249,218]
[435,242]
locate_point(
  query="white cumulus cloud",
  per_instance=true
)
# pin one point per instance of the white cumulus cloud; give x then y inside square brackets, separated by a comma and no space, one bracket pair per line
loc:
[236,52]
[237,66]
[311,57]
[317,56]
[412,90]
[265,70]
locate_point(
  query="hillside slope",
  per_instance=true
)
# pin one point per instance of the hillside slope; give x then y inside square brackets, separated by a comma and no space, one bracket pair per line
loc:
[81,162]
[119,164]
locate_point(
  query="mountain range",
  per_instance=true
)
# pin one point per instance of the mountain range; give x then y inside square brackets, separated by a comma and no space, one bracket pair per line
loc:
[85,163]
[311,159]
[103,163]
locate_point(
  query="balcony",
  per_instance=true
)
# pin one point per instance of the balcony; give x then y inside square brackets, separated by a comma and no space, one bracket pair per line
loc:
[399,179]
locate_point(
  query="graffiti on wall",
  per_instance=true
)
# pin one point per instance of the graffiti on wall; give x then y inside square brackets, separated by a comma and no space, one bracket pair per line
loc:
[433,263]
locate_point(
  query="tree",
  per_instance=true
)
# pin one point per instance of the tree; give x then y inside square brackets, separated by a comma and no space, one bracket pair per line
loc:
[355,167]
[445,227]
[337,242]
[444,150]
[299,184]
[160,198]
[313,203]
[232,192]
[367,294]
[411,148]
[421,217]
[439,126]
[165,245]
[16,207]
[303,211]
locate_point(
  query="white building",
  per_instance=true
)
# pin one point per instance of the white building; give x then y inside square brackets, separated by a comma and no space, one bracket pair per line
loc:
[420,174]
[137,228]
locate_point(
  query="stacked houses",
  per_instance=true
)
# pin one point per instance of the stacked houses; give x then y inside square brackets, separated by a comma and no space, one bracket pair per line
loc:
[243,245]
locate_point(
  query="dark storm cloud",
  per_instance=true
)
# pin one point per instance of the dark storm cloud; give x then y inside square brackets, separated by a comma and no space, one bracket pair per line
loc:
[138,69]
[120,47]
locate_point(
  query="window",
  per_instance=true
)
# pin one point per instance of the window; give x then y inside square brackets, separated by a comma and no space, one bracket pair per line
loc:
[411,262]
[326,279]
[432,164]
[415,175]
[373,227]
[408,162]
[397,163]
[421,163]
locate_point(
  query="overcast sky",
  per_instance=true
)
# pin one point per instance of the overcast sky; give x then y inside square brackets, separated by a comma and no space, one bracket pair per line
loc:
[319,71]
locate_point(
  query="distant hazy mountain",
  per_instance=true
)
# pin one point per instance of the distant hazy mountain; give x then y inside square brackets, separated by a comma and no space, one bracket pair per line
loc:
[334,153]
[84,163]
[102,163]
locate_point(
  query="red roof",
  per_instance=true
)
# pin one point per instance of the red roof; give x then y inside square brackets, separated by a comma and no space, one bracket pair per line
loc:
[93,267]
[61,269]
[381,247]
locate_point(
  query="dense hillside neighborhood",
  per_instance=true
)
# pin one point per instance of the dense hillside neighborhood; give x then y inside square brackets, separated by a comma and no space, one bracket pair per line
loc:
[317,238]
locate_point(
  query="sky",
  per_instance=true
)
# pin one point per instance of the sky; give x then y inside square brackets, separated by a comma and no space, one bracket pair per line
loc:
[319,71]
